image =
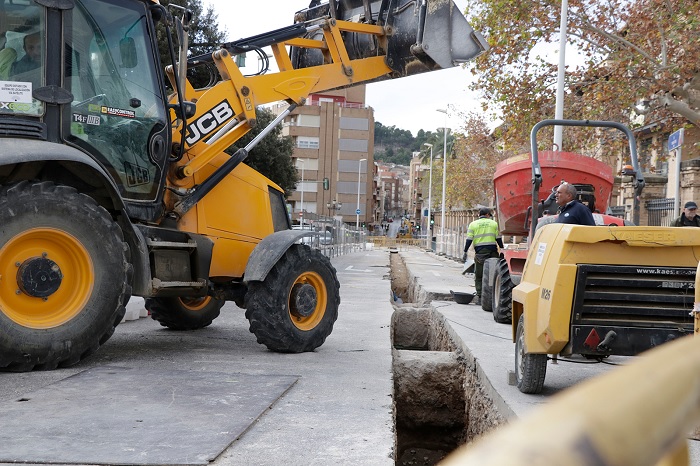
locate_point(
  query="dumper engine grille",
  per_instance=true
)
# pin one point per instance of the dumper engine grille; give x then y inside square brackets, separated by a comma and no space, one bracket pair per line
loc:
[643,306]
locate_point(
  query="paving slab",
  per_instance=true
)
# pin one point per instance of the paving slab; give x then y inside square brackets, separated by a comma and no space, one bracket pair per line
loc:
[116,415]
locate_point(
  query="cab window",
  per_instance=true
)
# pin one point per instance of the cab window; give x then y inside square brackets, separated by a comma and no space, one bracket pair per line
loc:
[22,48]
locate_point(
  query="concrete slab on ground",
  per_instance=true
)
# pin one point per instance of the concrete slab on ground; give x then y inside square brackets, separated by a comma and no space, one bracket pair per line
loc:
[338,412]
[115,415]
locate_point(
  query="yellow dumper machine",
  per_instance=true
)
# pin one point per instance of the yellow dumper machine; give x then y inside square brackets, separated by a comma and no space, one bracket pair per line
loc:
[603,290]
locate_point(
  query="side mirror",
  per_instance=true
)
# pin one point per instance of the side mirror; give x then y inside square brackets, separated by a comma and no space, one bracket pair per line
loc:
[127,52]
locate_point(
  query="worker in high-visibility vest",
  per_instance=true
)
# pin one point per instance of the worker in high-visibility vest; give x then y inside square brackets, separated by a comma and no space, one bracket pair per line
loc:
[483,234]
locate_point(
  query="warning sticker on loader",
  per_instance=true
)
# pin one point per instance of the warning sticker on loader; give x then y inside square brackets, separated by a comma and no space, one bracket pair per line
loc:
[541,248]
[15,91]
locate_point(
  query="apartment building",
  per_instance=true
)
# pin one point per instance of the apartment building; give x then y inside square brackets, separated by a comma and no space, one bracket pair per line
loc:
[334,153]
[394,187]
[419,191]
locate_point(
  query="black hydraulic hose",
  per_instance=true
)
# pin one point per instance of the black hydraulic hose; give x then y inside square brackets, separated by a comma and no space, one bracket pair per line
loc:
[178,89]
[258,41]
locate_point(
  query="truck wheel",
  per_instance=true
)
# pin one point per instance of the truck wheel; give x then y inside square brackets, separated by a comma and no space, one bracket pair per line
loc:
[502,288]
[530,369]
[487,282]
[184,313]
[66,276]
[293,310]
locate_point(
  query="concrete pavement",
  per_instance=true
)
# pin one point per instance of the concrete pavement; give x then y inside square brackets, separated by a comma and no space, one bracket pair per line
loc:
[339,411]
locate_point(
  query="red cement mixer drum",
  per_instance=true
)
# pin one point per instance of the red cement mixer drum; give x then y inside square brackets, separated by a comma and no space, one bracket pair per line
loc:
[513,184]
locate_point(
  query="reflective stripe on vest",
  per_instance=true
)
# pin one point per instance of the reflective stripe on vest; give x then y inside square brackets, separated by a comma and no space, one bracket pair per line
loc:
[483,232]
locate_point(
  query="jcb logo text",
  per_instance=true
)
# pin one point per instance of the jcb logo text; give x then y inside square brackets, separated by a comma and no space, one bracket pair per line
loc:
[208,122]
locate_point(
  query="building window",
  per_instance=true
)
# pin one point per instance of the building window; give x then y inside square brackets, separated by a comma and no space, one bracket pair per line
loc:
[310,121]
[353,145]
[306,142]
[360,124]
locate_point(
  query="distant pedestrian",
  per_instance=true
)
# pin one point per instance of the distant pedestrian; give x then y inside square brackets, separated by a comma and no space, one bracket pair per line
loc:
[483,233]
[689,217]
[571,209]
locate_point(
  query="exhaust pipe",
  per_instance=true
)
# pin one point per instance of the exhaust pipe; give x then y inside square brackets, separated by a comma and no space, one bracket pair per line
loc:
[422,35]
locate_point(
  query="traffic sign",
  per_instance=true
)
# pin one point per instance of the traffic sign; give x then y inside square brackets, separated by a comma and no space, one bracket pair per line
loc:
[358,212]
[675,140]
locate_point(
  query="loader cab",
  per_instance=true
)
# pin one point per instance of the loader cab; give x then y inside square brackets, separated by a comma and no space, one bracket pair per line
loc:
[117,112]
[87,74]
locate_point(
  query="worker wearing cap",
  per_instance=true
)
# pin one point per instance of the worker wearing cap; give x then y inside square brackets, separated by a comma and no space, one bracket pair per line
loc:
[483,234]
[689,216]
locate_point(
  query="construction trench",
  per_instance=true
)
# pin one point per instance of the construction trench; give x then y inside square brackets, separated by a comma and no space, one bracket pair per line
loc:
[439,400]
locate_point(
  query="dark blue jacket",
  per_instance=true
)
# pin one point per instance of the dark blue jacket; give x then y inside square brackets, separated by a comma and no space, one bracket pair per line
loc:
[576,213]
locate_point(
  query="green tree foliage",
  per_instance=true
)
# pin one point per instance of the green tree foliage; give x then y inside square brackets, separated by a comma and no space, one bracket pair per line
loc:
[273,155]
[437,139]
[204,37]
[393,145]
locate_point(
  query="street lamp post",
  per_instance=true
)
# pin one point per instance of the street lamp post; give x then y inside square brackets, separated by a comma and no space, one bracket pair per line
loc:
[301,207]
[561,77]
[430,189]
[333,205]
[444,178]
[357,212]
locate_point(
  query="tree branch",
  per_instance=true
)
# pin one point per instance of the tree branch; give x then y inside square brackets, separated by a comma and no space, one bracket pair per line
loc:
[680,107]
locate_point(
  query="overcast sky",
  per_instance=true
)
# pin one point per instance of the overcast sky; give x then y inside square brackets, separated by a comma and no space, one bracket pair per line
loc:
[407,103]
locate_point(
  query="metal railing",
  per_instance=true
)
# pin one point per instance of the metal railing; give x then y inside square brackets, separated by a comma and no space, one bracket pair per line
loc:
[660,212]
[335,238]
[448,242]
[399,243]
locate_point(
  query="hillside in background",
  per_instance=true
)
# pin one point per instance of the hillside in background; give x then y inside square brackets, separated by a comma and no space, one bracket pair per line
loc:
[396,145]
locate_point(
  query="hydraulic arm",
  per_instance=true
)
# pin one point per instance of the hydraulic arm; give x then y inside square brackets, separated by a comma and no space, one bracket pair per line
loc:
[326,53]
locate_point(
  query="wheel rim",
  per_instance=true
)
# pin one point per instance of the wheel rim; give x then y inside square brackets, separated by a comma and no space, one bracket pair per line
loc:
[37,249]
[195,304]
[307,301]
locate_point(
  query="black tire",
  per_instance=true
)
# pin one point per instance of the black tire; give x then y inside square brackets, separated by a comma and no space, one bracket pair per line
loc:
[76,251]
[293,310]
[487,281]
[184,313]
[502,296]
[530,369]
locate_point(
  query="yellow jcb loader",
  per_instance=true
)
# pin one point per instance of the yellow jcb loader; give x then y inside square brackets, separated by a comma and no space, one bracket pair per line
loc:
[112,185]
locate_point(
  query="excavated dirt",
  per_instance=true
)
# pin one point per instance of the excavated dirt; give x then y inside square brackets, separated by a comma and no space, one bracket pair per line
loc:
[399,277]
[440,401]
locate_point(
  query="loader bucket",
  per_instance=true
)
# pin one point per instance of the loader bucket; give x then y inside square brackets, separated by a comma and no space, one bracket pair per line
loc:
[424,35]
